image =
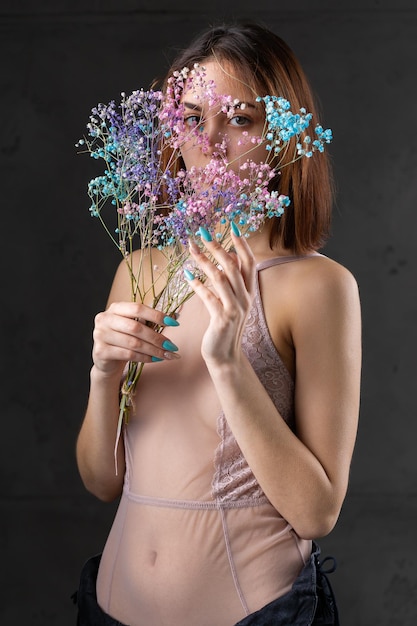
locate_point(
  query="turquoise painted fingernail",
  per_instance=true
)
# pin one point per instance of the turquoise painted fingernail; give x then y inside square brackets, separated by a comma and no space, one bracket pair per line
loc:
[235,229]
[170,321]
[168,345]
[205,234]
[189,275]
[155,359]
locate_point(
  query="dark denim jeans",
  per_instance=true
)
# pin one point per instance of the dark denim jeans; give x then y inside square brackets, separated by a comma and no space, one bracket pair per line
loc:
[310,602]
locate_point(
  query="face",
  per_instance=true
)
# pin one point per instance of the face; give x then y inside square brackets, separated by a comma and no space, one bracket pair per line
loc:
[232,131]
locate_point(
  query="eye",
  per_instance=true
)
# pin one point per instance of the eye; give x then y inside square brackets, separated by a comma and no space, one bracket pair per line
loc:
[239,120]
[192,121]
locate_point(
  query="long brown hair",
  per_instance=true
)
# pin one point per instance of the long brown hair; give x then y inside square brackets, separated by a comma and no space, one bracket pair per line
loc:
[265,63]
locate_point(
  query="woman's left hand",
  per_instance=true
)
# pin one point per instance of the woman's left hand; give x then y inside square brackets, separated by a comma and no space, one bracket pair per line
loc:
[227,295]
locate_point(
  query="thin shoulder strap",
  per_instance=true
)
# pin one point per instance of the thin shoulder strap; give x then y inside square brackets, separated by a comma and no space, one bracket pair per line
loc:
[284,259]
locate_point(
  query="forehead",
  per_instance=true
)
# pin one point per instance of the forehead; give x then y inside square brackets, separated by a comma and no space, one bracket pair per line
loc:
[221,78]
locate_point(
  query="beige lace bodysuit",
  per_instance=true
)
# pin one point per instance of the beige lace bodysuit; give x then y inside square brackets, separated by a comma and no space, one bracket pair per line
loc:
[195,542]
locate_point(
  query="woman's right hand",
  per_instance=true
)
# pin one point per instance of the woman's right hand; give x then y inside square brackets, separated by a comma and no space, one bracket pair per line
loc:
[121,334]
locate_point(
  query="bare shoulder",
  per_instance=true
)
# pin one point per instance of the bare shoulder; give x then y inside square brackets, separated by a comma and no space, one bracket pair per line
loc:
[323,290]
[322,275]
[307,300]
[142,265]
[307,282]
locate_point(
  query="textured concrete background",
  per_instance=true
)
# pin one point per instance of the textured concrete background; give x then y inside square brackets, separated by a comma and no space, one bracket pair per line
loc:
[58,59]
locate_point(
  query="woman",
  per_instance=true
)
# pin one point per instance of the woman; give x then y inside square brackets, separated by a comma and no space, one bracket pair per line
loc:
[258,376]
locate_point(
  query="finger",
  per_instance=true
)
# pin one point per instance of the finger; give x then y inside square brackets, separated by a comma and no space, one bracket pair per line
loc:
[235,271]
[221,285]
[210,299]
[140,311]
[243,254]
[130,339]
[220,298]
[133,333]
[247,263]
[115,350]
[218,279]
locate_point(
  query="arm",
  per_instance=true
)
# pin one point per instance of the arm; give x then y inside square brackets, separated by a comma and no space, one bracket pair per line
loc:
[120,334]
[304,474]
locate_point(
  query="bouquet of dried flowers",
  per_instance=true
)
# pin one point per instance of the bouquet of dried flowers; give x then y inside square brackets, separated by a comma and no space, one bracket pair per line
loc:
[156,204]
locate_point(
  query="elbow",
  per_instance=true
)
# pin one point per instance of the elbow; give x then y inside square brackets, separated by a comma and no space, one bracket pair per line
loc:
[106,495]
[105,484]
[320,514]
[106,491]
[316,530]
[316,525]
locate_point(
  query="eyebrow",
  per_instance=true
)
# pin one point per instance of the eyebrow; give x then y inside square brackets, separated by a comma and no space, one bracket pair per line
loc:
[246,104]
[238,105]
[194,107]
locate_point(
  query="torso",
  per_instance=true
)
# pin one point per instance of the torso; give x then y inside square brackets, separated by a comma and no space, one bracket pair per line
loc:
[180,553]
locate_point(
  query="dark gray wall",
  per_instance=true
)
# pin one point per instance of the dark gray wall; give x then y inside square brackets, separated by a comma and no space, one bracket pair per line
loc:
[58,59]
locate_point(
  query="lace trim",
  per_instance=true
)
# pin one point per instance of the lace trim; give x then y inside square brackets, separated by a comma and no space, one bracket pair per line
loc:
[233,479]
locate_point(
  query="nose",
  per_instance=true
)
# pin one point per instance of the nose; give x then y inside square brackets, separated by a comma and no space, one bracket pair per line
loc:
[214,138]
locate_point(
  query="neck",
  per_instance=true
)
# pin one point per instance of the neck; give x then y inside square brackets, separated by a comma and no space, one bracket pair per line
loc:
[259,243]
